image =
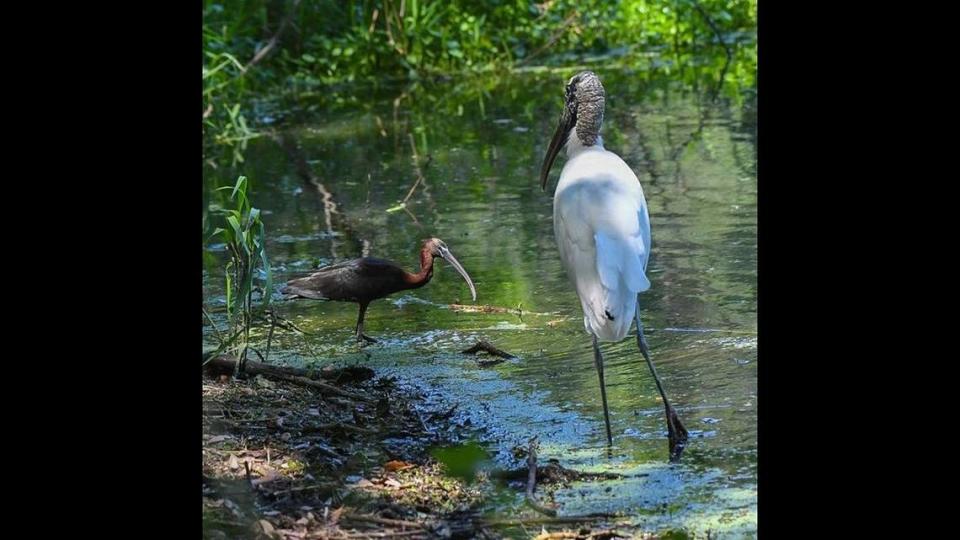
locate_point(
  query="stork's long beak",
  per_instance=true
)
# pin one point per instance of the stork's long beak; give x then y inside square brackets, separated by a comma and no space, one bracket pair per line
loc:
[567,121]
[447,256]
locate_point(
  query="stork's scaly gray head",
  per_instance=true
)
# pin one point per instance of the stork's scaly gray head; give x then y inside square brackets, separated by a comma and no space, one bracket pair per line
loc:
[583,110]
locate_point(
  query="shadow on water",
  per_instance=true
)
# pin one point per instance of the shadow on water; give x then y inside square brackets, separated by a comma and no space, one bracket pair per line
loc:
[329,183]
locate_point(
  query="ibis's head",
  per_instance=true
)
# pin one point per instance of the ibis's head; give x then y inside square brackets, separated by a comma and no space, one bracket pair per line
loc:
[582,114]
[437,248]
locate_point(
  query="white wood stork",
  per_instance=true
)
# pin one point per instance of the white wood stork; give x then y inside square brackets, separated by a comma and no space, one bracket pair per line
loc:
[602,230]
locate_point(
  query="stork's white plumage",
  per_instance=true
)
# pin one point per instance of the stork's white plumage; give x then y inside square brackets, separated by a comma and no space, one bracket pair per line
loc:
[602,230]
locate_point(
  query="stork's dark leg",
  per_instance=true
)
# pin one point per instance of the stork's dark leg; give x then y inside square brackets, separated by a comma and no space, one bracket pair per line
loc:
[361,338]
[676,433]
[598,362]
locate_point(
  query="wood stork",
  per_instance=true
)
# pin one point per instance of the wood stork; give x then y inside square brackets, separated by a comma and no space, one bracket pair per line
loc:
[367,279]
[602,231]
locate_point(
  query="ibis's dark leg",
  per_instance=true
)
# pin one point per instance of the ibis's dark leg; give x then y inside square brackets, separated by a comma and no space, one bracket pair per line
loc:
[598,362]
[360,335]
[676,433]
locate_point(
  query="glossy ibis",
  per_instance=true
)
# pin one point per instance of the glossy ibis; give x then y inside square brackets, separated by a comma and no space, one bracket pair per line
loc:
[367,279]
[602,230]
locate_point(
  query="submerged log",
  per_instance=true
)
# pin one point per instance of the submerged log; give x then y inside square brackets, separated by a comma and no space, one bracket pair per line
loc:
[226,365]
[485,346]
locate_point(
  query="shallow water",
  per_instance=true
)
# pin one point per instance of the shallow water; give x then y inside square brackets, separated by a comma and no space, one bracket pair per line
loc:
[329,184]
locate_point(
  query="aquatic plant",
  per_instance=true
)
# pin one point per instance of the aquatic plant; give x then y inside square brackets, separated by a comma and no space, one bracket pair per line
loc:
[244,236]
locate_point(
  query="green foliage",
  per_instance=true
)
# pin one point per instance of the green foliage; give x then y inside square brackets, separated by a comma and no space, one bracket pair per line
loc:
[343,41]
[319,43]
[461,461]
[244,235]
[224,90]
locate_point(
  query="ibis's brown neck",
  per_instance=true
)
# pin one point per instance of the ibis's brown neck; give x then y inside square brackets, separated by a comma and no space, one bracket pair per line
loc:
[422,277]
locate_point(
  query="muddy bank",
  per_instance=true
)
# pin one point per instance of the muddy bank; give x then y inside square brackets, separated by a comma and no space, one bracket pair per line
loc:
[361,456]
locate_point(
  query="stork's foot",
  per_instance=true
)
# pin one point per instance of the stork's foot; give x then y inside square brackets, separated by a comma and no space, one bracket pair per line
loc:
[365,340]
[676,434]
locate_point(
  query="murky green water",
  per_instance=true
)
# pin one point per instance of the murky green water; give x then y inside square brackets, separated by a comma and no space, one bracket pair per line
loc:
[327,184]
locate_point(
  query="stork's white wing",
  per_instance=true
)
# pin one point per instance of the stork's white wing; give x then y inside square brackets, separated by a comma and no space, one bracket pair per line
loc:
[603,235]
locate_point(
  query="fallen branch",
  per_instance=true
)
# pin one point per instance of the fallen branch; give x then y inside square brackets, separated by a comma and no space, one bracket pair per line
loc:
[320,428]
[226,364]
[224,522]
[380,521]
[346,374]
[466,308]
[483,309]
[555,473]
[545,520]
[483,345]
[581,535]
[365,535]
[325,486]
[532,481]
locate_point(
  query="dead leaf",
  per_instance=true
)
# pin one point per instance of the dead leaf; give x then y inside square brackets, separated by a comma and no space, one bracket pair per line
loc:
[233,462]
[333,517]
[396,465]
[392,483]
[266,527]
[264,382]
[233,508]
[270,476]
[219,438]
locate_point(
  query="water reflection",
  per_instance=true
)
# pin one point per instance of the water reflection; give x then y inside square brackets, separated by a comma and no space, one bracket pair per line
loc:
[327,182]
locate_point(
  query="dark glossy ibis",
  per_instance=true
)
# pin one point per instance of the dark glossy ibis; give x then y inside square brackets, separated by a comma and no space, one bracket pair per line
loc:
[368,279]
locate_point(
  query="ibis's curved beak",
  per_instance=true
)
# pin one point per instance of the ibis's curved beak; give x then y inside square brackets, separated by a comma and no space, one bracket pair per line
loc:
[447,256]
[567,121]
